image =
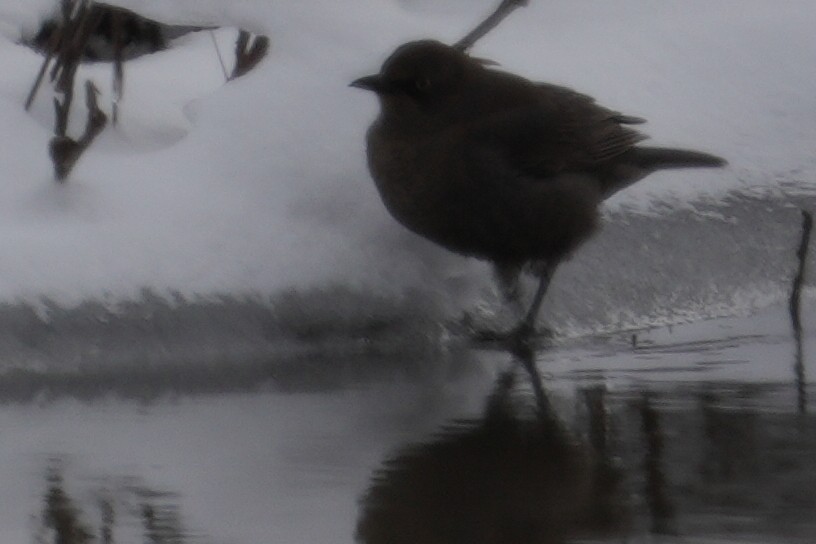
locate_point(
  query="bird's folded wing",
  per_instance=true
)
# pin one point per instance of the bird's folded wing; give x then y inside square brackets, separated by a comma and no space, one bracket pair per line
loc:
[565,132]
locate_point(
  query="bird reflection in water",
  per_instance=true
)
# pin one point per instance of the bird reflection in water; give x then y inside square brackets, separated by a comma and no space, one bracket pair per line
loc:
[514,475]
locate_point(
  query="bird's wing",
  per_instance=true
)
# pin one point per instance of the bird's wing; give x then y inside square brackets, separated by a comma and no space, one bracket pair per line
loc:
[591,133]
[564,131]
[580,100]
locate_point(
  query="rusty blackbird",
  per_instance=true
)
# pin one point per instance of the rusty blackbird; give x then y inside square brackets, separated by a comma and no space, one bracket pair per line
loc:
[491,165]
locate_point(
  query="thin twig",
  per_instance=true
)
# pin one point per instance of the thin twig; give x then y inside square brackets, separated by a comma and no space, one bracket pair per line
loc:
[37,82]
[795,309]
[65,151]
[96,117]
[117,24]
[77,32]
[505,8]
[220,58]
[52,47]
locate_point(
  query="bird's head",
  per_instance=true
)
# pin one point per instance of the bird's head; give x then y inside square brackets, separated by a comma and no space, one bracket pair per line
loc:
[421,78]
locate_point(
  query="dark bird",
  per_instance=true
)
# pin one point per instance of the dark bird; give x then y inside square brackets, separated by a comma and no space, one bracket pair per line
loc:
[491,165]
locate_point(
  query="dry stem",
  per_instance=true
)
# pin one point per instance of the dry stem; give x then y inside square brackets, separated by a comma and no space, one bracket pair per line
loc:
[505,8]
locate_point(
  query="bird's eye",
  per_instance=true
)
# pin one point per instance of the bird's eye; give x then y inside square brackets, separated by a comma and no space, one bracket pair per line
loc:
[422,84]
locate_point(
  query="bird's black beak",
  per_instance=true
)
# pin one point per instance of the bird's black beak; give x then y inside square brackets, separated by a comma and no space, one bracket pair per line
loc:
[374,83]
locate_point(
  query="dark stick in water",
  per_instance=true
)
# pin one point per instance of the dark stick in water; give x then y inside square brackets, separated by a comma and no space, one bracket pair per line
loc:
[795,310]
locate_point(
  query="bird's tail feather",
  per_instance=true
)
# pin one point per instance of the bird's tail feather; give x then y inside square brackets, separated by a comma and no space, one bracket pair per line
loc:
[645,160]
[658,158]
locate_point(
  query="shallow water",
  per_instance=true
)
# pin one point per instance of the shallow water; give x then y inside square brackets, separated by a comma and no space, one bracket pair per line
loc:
[700,433]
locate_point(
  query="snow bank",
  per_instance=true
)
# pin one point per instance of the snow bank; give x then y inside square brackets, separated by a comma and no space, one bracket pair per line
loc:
[260,185]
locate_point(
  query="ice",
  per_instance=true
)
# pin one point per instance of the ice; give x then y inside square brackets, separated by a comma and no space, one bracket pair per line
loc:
[288,458]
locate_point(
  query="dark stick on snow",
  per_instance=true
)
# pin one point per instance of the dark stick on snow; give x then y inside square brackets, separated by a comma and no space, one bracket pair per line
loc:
[77,32]
[220,58]
[118,63]
[53,46]
[96,117]
[795,310]
[65,151]
[492,21]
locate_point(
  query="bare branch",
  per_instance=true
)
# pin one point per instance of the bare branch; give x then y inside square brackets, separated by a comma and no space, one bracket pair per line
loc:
[62,109]
[117,24]
[65,151]
[52,47]
[75,32]
[505,8]
[220,58]
[96,117]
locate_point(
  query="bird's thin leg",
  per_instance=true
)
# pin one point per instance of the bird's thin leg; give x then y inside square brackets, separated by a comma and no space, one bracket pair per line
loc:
[527,325]
[525,354]
[507,277]
[519,337]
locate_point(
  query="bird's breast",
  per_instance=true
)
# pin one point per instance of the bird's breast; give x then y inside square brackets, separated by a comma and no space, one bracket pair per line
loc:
[406,172]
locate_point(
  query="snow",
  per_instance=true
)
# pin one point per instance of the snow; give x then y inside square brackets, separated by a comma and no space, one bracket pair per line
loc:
[260,185]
